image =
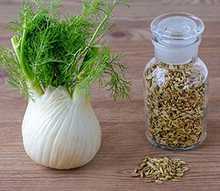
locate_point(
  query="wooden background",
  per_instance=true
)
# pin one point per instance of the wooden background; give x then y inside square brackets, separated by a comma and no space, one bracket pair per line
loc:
[124,143]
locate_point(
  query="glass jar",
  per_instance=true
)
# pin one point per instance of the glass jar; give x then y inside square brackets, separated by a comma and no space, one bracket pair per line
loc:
[176,82]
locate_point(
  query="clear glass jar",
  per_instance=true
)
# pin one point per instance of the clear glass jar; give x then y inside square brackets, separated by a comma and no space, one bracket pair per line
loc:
[176,81]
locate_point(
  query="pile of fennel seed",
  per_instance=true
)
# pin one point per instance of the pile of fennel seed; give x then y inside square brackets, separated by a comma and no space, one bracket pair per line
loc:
[160,170]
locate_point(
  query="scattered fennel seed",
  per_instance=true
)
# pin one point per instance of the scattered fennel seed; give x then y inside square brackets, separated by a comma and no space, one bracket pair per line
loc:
[160,170]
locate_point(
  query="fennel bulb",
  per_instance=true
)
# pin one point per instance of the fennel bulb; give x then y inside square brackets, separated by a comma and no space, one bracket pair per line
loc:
[60,132]
[54,62]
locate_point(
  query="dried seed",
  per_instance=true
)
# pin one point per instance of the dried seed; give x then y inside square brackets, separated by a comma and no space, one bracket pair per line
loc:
[158,181]
[142,174]
[134,174]
[175,180]
[175,103]
[160,170]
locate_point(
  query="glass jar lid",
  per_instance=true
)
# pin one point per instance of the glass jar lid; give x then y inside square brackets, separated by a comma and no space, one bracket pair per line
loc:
[177,29]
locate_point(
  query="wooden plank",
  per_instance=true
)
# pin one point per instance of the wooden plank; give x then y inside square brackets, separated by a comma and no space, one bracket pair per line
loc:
[124,143]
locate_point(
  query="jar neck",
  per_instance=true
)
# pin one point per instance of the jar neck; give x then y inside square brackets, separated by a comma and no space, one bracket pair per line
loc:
[176,54]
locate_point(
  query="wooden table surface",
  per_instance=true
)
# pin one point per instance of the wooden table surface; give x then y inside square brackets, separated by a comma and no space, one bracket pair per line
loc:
[124,143]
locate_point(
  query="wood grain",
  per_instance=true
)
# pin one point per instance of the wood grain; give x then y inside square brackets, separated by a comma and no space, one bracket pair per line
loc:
[124,143]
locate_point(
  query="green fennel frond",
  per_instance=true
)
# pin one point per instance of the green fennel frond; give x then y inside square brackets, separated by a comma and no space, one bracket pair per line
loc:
[9,64]
[51,51]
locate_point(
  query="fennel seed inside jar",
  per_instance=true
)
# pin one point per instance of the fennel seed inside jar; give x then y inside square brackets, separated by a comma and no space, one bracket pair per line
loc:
[176,84]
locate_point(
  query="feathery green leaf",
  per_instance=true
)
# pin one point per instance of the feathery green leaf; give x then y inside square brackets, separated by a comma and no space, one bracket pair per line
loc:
[50,51]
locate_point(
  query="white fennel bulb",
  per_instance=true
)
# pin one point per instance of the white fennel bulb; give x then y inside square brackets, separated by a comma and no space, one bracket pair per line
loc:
[61,132]
[59,60]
